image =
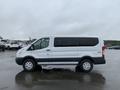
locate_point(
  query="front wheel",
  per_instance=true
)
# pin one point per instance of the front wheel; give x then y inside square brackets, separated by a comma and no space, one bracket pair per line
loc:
[29,65]
[85,66]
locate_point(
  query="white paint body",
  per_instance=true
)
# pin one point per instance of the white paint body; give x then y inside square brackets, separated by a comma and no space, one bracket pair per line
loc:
[62,52]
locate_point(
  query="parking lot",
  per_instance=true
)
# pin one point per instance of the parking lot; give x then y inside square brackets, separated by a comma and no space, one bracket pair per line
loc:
[103,77]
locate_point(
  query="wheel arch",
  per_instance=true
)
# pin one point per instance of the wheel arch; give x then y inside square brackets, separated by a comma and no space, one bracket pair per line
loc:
[29,57]
[86,57]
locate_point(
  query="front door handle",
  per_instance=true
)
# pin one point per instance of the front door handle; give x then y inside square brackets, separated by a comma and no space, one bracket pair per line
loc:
[48,50]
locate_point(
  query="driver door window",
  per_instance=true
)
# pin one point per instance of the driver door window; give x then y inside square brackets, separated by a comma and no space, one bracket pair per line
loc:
[41,44]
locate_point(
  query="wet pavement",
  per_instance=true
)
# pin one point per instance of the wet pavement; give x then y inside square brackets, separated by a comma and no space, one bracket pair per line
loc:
[103,77]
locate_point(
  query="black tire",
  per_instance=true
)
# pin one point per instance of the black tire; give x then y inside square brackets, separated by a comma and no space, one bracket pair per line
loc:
[39,68]
[82,68]
[29,65]
[78,69]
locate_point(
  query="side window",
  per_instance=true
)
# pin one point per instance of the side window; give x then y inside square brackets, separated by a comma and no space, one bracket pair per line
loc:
[40,44]
[75,41]
[44,43]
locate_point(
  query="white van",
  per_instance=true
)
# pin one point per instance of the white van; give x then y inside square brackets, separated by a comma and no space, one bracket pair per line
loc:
[80,52]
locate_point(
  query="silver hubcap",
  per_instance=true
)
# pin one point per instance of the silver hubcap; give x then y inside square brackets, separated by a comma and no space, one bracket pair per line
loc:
[29,65]
[86,66]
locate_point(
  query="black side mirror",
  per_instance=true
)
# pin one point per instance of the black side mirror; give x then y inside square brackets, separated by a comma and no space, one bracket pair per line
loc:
[32,47]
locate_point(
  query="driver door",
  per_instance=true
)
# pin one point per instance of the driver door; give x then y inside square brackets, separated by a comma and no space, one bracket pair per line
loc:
[40,48]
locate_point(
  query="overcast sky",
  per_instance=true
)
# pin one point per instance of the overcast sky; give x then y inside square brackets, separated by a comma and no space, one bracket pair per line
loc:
[21,19]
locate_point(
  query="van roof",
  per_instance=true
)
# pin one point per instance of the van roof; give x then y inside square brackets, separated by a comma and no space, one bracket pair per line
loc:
[70,36]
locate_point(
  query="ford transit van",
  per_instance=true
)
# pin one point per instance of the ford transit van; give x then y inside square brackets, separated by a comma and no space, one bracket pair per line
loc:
[81,52]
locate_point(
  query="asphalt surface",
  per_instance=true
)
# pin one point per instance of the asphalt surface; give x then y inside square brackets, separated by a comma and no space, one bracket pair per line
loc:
[103,77]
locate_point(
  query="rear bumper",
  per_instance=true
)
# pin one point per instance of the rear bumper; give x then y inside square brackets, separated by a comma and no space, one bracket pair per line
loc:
[99,60]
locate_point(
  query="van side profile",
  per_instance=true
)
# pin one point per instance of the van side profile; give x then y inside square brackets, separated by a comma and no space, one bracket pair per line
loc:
[81,52]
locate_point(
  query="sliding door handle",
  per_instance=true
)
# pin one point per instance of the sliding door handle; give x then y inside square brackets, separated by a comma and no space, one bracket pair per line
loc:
[48,50]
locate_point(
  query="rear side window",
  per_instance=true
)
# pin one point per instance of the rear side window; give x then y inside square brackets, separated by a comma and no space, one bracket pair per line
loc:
[71,42]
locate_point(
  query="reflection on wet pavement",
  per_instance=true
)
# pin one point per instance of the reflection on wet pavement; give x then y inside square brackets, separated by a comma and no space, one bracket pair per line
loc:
[64,79]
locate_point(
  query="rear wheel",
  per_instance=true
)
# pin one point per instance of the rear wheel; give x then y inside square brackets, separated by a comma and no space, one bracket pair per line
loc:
[29,65]
[85,66]
[39,68]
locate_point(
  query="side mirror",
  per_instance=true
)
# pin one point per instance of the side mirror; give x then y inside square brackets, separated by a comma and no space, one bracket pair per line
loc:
[31,48]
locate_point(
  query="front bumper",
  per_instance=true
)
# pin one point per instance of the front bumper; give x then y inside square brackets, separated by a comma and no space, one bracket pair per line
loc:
[19,61]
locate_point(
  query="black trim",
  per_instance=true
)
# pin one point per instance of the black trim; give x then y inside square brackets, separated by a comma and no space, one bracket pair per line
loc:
[58,60]
[19,61]
[97,60]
